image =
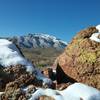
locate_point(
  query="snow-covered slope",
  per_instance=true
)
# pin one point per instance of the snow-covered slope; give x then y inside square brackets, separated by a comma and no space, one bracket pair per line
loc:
[77,91]
[11,55]
[39,40]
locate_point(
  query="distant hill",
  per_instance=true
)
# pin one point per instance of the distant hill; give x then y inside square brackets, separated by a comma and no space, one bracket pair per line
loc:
[39,40]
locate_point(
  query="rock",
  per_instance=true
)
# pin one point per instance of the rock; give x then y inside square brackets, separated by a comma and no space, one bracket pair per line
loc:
[62,77]
[18,74]
[18,79]
[46,98]
[14,73]
[48,72]
[4,78]
[81,60]
[31,88]
[62,86]
[13,93]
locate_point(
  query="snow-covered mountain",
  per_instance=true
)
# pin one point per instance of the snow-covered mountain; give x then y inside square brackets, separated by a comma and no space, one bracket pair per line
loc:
[39,40]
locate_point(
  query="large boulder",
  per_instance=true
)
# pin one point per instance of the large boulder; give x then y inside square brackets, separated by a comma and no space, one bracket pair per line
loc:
[81,59]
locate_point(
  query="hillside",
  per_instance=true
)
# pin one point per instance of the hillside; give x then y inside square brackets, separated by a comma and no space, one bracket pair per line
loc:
[42,57]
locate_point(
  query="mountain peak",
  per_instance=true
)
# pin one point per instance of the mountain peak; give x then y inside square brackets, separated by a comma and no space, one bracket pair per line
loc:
[33,40]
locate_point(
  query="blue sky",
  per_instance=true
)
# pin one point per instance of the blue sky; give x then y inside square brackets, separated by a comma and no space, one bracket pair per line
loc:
[61,18]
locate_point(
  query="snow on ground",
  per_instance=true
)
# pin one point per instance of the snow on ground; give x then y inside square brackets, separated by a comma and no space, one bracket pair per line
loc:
[11,55]
[1,93]
[98,27]
[79,90]
[76,91]
[94,36]
[47,92]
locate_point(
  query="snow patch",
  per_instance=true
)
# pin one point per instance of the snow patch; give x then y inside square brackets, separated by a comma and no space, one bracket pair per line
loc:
[98,27]
[48,92]
[94,37]
[1,93]
[79,90]
[76,91]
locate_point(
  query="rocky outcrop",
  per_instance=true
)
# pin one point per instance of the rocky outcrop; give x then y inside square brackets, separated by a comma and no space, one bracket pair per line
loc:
[12,92]
[81,59]
[18,84]
[13,78]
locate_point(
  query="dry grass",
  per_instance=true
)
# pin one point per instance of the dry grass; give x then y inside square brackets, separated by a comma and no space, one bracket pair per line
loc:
[41,57]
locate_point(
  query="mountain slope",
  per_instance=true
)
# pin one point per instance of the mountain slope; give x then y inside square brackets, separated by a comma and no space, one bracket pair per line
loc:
[39,40]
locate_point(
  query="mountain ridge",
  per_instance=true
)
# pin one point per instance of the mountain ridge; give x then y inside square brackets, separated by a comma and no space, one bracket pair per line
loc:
[34,40]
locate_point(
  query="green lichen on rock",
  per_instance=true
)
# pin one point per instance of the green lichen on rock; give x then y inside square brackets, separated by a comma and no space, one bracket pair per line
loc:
[73,47]
[81,48]
[87,57]
[98,53]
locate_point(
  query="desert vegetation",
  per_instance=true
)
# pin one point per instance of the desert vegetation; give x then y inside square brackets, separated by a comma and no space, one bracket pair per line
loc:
[41,57]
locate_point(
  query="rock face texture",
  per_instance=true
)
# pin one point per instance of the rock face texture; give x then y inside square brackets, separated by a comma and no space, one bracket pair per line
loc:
[13,79]
[81,59]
